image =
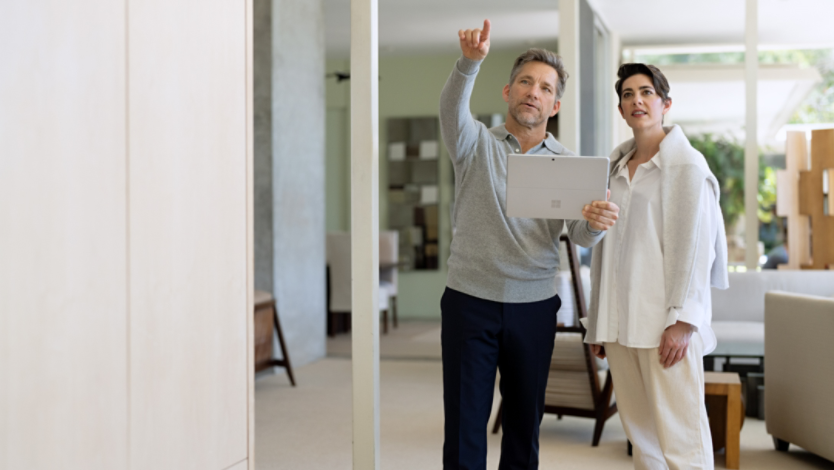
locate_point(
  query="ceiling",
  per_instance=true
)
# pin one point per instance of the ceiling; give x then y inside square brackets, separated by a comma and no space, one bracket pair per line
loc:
[711,98]
[430,26]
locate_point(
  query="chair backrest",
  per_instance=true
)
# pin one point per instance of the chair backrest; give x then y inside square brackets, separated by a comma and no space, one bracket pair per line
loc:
[800,370]
[576,376]
[745,299]
[569,382]
[338,261]
[389,254]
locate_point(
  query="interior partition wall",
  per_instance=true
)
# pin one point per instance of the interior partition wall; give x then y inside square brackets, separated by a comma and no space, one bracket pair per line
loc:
[125,235]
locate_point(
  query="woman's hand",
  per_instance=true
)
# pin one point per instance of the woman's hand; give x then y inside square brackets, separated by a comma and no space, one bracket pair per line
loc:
[601,215]
[674,343]
[598,350]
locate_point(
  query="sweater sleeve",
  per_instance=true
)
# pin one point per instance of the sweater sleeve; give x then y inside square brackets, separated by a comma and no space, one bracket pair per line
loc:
[457,126]
[695,305]
[581,233]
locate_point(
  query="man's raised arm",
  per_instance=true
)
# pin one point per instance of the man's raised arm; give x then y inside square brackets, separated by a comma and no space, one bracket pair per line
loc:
[460,133]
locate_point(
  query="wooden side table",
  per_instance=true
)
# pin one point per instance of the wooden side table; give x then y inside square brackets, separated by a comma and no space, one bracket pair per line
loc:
[266,317]
[726,415]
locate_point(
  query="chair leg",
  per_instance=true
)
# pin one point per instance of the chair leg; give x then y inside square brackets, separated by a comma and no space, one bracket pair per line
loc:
[286,361]
[598,430]
[385,322]
[498,417]
[602,408]
[394,310]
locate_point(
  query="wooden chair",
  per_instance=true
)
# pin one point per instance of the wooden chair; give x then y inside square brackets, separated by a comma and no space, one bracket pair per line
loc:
[389,267]
[339,294]
[579,384]
[266,317]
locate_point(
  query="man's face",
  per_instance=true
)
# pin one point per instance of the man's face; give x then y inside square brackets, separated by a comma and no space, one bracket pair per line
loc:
[640,105]
[532,96]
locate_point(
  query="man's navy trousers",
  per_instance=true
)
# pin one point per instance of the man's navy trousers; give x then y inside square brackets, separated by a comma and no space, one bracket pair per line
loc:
[479,336]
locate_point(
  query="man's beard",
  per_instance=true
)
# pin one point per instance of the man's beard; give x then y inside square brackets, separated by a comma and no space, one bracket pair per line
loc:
[527,120]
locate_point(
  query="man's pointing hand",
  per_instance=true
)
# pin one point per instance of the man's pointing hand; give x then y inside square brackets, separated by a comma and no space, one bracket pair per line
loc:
[475,42]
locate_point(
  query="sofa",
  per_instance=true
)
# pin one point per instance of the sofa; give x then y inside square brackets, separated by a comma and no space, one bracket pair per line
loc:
[738,313]
[799,393]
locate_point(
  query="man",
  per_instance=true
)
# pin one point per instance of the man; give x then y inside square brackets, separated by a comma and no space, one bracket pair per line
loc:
[499,307]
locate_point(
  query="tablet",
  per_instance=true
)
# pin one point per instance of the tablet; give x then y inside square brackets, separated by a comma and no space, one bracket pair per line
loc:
[554,186]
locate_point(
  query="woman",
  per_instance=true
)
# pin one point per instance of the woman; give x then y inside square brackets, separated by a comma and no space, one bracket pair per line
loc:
[651,276]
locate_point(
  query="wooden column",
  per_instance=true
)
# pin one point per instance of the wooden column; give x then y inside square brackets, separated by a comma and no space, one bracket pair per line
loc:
[812,199]
[751,147]
[364,217]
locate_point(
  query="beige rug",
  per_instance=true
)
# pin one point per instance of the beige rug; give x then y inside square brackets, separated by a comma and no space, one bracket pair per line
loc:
[309,427]
[411,340]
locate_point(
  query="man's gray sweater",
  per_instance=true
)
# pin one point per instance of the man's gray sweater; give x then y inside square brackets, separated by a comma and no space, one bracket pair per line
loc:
[495,257]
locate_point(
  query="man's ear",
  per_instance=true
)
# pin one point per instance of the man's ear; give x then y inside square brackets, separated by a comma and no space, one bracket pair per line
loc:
[506,93]
[556,106]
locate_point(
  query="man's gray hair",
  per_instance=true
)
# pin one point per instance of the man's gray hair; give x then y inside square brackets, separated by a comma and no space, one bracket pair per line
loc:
[546,57]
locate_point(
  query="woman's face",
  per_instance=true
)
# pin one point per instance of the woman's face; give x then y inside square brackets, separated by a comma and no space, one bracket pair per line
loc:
[640,105]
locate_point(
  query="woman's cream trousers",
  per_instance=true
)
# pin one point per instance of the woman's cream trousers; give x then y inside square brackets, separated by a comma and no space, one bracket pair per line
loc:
[662,410]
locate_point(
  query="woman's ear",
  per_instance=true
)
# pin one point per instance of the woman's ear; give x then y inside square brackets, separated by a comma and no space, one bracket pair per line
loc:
[667,105]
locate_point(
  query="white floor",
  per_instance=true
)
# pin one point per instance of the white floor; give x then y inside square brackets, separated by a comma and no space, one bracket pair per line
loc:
[309,427]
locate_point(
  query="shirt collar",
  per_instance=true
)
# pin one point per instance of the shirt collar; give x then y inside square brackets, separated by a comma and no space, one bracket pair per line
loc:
[623,161]
[621,165]
[553,145]
[501,133]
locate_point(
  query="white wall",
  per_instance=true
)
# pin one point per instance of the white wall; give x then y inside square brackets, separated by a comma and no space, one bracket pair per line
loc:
[125,248]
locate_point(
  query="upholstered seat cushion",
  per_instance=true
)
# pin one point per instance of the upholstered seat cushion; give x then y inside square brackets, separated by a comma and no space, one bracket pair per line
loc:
[568,384]
[739,338]
[262,297]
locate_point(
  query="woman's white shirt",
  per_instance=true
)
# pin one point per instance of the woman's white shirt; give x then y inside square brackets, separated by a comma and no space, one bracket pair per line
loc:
[632,306]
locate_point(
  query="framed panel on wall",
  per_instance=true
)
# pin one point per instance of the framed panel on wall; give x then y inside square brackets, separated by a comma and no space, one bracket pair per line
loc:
[413,189]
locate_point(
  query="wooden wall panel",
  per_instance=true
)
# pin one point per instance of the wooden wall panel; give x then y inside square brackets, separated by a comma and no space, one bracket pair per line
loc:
[63,300]
[822,225]
[788,196]
[188,233]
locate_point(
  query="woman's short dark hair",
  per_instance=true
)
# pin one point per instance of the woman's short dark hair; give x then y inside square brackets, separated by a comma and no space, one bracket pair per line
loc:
[661,85]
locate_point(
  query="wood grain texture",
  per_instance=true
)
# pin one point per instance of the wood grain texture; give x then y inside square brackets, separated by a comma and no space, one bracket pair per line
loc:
[788,202]
[812,199]
[733,433]
[725,387]
[264,333]
[190,246]
[63,397]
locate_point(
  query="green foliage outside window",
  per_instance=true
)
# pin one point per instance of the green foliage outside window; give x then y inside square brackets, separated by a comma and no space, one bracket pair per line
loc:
[725,158]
